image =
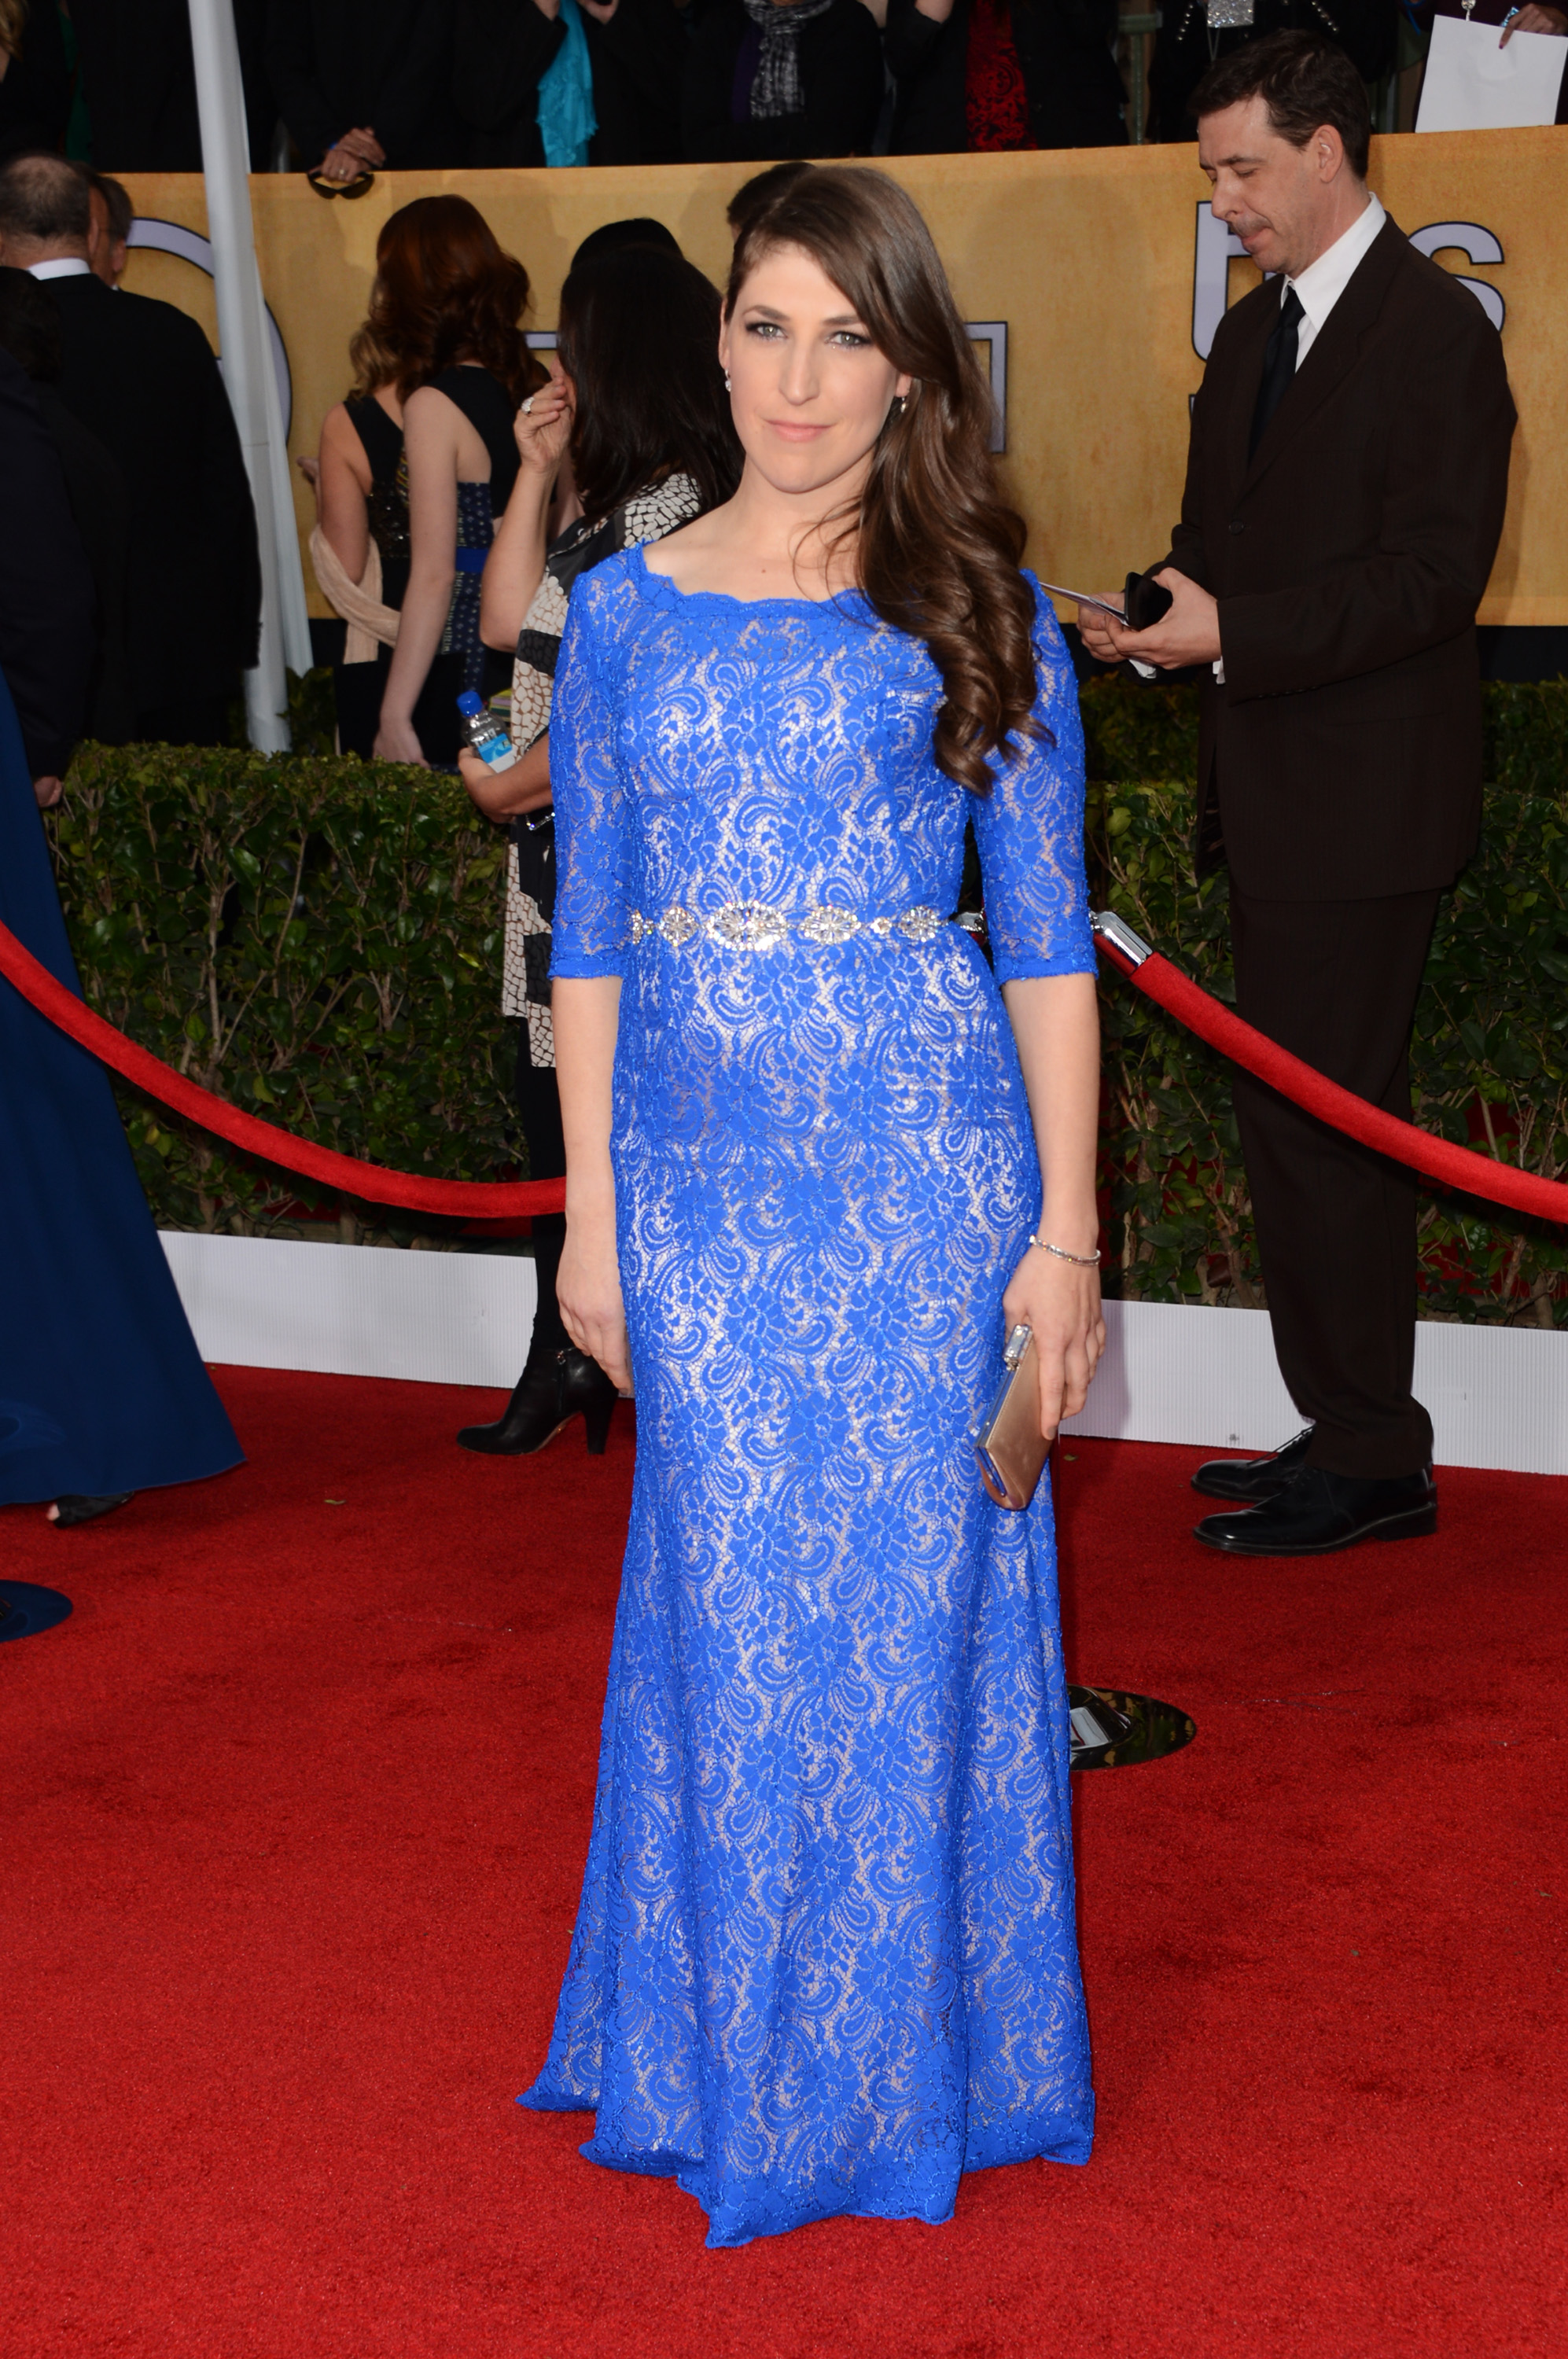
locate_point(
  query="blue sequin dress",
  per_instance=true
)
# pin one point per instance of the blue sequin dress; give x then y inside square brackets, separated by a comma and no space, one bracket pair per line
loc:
[824,1959]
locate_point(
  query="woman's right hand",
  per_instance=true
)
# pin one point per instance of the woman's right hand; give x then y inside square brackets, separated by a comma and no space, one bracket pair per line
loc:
[588,1287]
[543,424]
[396,742]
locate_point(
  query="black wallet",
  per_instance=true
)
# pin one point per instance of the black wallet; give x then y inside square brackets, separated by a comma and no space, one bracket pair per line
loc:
[1145,601]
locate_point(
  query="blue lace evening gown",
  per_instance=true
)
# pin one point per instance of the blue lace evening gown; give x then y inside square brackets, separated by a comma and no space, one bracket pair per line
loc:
[824,1959]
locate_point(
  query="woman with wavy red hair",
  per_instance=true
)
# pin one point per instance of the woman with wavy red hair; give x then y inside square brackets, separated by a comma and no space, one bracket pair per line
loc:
[419,461]
[818,1165]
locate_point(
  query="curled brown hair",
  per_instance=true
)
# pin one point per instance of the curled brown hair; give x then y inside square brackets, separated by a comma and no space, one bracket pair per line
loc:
[445,291]
[937,547]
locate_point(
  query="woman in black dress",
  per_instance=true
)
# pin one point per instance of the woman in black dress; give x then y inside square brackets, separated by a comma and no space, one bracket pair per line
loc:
[417,464]
[637,407]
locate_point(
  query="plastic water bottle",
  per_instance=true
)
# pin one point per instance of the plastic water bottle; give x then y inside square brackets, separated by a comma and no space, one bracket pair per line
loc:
[486,735]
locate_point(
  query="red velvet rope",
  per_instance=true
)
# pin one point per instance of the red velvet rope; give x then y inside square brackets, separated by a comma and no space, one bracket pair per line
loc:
[474,1199]
[1455,1166]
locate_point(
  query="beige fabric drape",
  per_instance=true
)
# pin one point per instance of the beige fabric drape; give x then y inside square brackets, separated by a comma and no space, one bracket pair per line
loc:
[370,623]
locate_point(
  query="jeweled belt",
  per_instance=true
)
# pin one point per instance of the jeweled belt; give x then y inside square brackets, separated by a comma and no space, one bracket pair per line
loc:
[758,926]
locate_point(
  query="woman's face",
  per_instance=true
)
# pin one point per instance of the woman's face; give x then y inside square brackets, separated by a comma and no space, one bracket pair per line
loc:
[809,390]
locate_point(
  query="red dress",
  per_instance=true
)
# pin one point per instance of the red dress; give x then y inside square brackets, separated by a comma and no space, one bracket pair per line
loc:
[995,100]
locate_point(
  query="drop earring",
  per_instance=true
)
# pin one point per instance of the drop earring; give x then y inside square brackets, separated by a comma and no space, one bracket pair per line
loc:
[727,385]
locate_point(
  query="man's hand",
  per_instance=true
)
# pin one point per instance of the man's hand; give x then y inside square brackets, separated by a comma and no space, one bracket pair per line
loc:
[1189,634]
[355,152]
[48,792]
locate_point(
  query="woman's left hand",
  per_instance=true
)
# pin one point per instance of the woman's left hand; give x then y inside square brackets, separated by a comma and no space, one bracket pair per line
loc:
[396,742]
[1060,1302]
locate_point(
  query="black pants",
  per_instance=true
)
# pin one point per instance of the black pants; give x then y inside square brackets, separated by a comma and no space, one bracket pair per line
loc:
[191,721]
[1336,982]
[538,1102]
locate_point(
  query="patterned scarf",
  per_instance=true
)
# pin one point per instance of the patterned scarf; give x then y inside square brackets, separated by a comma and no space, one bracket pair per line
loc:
[777,89]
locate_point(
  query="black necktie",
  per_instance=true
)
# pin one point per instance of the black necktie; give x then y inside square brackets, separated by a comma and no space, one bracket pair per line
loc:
[1279,365]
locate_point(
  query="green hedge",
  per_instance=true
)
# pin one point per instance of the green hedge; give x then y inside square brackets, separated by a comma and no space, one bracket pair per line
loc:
[317,939]
[320,940]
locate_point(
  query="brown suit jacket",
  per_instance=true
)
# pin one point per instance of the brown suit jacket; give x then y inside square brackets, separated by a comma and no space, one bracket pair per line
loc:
[1342,756]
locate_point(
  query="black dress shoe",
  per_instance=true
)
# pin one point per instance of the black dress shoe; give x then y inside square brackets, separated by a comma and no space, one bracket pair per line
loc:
[1251,1480]
[1318,1511]
[554,1387]
[80,1507]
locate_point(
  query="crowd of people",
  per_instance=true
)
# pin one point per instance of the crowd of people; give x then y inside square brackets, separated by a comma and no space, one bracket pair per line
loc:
[343,87]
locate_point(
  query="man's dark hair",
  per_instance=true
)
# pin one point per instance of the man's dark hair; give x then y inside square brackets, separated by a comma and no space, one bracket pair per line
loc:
[760,189]
[613,237]
[117,204]
[1303,81]
[30,326]
[45,200]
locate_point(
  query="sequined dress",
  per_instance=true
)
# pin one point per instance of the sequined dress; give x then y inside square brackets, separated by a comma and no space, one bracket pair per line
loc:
[824,1959]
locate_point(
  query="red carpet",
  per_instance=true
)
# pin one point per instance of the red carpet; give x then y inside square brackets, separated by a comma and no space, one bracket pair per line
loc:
[296,1807]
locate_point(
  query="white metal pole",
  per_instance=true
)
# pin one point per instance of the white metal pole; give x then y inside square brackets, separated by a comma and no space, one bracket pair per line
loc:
[247,368]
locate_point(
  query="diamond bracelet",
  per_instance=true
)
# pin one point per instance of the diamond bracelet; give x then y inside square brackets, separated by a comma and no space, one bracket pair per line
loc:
[1082,1261]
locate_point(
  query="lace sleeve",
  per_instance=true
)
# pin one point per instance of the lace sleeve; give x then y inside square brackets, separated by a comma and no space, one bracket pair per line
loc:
[592,812]
[1030,830]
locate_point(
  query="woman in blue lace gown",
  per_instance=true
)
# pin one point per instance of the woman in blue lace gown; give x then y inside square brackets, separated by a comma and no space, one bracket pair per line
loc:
[825,1960]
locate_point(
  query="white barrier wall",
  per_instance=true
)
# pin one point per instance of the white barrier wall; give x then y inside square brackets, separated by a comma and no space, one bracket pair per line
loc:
[1497,1397]
[356,1311]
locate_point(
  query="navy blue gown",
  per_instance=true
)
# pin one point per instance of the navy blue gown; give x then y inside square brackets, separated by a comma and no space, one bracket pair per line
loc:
[102,1387]
[825,1958]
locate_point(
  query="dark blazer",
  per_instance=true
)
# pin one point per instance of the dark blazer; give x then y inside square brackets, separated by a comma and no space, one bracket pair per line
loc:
[139,82]
[141,376]
[375,65]
[500,48]
[1071,80]
[101,508]
[47,642]
[1366,30]
[35,93]
[841,75]
[1348,557]
[639,57]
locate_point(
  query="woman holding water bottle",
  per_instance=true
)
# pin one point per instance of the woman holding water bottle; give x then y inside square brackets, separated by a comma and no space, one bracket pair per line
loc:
[636,408]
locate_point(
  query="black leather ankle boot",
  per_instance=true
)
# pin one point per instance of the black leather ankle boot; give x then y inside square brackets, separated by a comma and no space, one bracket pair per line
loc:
[556,1385]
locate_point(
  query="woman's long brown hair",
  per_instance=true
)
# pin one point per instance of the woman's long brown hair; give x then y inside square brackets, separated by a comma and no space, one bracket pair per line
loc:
[640,338]
[937,548]
[446,291]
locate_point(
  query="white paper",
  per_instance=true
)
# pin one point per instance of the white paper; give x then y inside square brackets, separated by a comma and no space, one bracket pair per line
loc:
[1474,84]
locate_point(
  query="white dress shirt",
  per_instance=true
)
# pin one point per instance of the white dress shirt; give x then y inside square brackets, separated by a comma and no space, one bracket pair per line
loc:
[1322,282]
[69,265]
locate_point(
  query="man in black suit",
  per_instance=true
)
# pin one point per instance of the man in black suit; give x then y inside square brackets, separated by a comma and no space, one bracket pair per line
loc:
[30,332]
[1346,481]
[141,376]
[48,645]
[365,85]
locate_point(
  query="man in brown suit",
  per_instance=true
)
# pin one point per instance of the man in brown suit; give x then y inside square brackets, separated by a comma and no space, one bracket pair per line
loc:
[1346,486]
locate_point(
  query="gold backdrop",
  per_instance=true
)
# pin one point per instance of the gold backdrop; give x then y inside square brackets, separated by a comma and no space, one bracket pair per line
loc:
[1101,265]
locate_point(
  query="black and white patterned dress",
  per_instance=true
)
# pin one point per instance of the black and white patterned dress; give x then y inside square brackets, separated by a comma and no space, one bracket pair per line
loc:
[531,875]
